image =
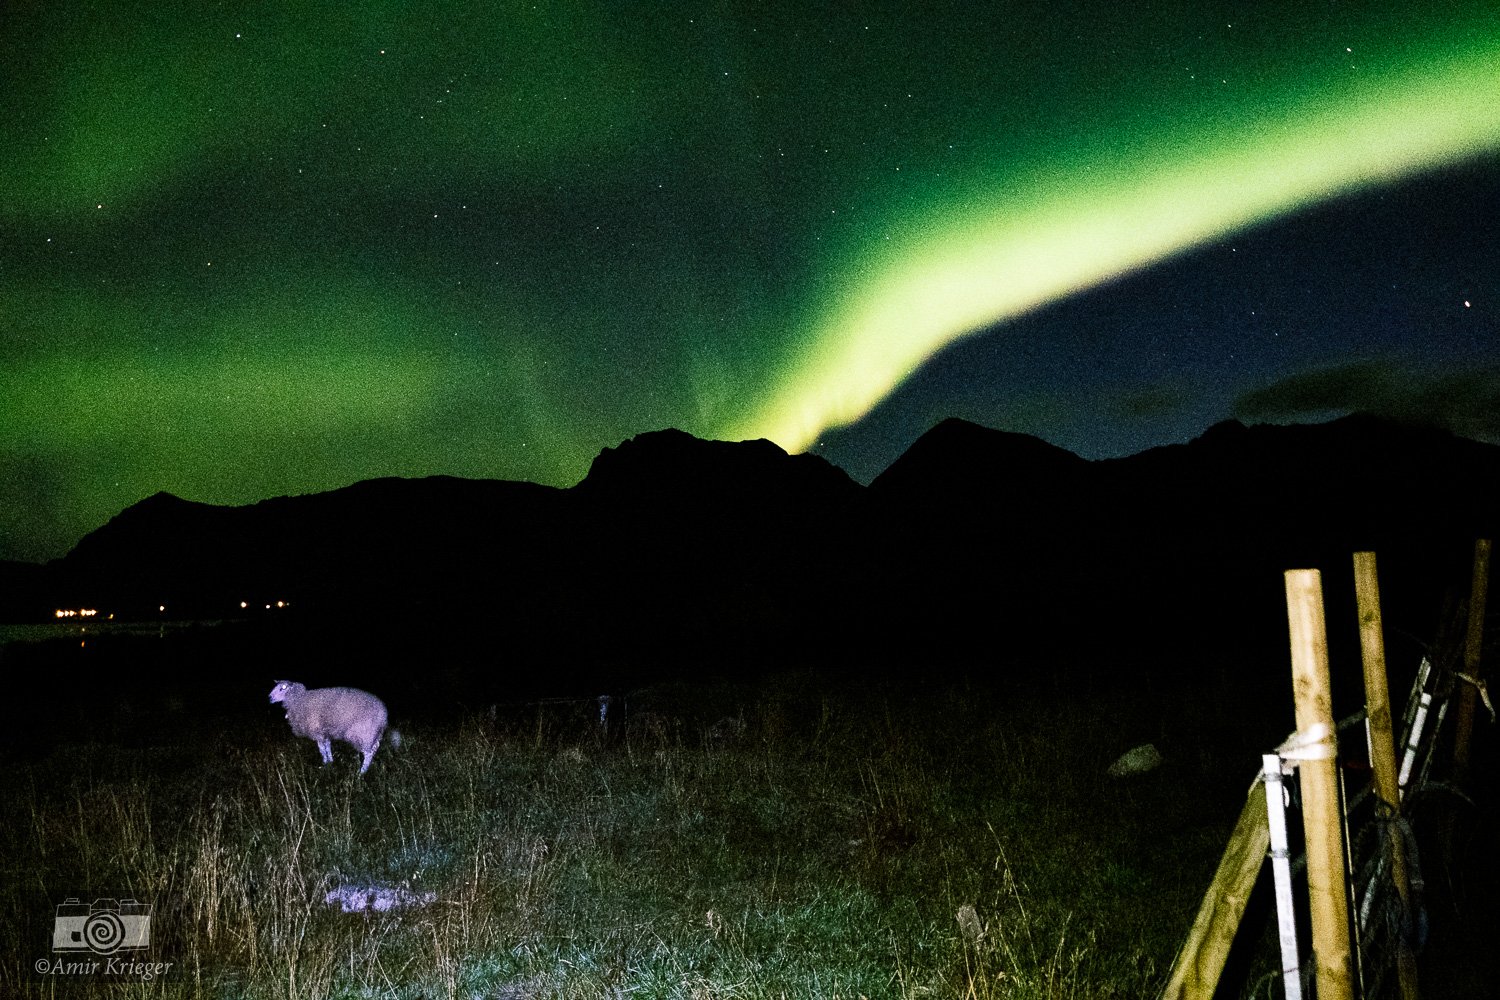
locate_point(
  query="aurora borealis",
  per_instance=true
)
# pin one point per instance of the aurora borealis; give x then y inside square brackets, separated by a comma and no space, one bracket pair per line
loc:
[258,251]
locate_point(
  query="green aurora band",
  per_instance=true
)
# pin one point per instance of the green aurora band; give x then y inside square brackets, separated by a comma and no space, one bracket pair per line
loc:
[989,260]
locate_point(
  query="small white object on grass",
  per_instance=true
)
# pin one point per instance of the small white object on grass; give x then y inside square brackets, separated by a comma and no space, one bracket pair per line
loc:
[377,898]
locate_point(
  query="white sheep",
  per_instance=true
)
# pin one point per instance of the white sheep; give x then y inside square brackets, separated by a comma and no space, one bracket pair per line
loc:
[337,713]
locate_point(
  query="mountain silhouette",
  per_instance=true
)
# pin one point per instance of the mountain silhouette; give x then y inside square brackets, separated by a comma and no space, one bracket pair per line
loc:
[674,553]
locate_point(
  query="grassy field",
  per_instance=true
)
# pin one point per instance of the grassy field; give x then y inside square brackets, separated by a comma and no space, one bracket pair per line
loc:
[782,839]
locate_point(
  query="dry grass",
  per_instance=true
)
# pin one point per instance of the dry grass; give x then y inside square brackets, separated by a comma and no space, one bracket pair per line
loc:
[831,844]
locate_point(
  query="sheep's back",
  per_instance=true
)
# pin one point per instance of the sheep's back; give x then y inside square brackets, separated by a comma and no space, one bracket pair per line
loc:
[337,713]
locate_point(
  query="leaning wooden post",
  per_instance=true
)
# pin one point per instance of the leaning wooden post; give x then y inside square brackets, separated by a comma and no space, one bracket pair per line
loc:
[1473,641]
[1200,963]
[1328,909]
[1383,746]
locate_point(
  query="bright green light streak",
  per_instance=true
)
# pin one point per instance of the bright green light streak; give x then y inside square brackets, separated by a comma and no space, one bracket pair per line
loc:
[994,262]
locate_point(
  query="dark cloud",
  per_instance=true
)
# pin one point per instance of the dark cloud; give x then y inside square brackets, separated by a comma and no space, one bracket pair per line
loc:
[1466,402]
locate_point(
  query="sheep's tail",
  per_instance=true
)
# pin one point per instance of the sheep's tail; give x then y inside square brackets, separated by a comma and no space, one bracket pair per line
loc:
[394,736]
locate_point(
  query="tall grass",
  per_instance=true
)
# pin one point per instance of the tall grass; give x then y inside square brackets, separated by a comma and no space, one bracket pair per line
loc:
[823,844]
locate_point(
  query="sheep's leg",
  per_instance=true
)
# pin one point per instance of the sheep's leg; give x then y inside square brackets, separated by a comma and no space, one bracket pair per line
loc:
[326,749]
[369,755]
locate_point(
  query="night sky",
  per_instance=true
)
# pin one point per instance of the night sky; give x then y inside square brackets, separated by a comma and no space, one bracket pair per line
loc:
[252,250]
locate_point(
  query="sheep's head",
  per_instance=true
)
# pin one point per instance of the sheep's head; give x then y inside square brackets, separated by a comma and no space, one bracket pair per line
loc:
[285,688]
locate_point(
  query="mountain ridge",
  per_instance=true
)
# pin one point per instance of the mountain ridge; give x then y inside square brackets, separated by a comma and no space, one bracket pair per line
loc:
[673,548]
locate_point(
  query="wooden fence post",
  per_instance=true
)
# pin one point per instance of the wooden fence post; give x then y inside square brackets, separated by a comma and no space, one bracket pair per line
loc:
[1321,810]
[1382,746]
[1474,640]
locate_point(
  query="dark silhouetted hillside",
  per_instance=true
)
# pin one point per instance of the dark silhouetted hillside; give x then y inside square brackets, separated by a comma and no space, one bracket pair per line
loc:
[384,543]
[976,547]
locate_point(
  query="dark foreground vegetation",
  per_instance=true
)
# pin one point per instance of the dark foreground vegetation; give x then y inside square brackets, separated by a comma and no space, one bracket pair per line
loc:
[783,838]
[928,832]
